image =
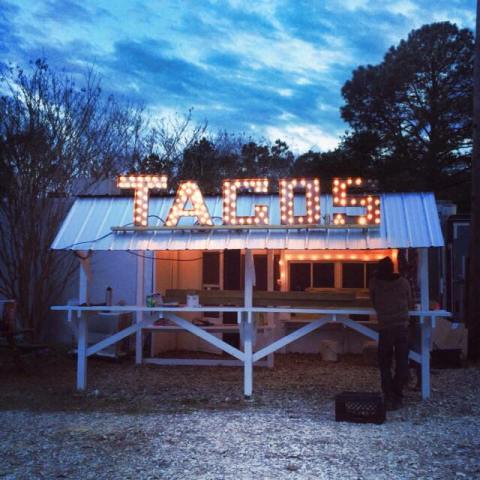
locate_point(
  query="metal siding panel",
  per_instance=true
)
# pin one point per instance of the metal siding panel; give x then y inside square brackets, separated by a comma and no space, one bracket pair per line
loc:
[123,208]
[276,240]
[378,238]
[316,240]
[244,206]
[296,240]
[357,240]
[326,207]
[336,240]
[373,240]
[104,227]
[89,221]
[237,241]
[161,241]
[192,241]
[274,209]
[416,219]
[393,227]
[66,234]
[433,218]
[408,220]
[408,227]
[158,210]
[253,240]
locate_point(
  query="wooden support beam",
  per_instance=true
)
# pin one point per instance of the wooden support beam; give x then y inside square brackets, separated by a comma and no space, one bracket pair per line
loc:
[140,300]
[273,347]
[249,278]
[270,288]
[425,322]
[270,270]
[208,337]
[84,278]
[116,337]
[82,352]
[368,332]
[248,327]
[199,362]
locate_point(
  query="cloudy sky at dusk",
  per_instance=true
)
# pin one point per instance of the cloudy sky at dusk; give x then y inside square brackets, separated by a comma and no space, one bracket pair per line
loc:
[271,69]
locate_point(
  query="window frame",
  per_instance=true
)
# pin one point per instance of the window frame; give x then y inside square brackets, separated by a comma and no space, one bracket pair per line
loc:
[337,273]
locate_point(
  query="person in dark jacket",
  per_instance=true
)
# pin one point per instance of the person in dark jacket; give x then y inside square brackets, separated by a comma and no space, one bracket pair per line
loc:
[392,298]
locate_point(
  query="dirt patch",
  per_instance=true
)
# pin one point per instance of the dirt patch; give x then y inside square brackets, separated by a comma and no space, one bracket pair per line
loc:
[193,422]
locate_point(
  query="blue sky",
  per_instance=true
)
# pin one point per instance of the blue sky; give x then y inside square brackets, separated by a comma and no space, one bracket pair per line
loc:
[270,69]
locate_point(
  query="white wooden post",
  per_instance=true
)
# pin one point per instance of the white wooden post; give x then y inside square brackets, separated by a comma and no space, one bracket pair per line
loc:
[270,270]
[140,303]
[284,270]
[82,286]
[270,288]
[82,353]
[84,278]
[247,324]
[425,322]
[249,278]
[82,327]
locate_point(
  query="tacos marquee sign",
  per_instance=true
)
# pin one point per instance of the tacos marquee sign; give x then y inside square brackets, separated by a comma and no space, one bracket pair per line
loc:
[189,201]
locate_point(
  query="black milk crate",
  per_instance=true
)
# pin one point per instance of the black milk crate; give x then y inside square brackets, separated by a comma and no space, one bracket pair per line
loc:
[360,407]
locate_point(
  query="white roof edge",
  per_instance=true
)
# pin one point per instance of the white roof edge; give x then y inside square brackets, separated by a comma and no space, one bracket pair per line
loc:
[410,220]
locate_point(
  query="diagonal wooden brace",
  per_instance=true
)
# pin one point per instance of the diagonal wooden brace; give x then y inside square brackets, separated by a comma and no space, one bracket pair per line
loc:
[208,337]
[116,337]
[299,333]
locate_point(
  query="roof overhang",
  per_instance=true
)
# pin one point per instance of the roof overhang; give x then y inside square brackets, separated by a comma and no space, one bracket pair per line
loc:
[409,220]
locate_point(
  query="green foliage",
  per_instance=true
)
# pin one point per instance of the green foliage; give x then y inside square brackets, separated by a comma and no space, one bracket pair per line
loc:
[201,162]
[341,162]
[209,162]
[274,161]
[414,110]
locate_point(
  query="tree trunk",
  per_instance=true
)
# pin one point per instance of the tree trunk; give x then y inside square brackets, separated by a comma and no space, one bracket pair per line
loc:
[473,305]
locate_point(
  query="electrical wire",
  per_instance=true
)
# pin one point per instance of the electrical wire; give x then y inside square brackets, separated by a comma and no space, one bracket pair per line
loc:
[165,259]
[108,234]
[127,225]
[159,218]
[88,241]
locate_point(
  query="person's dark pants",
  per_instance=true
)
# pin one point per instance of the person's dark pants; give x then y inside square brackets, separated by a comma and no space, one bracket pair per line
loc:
[393,342]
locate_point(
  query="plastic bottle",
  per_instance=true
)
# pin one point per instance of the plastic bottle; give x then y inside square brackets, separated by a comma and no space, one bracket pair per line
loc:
[108,296]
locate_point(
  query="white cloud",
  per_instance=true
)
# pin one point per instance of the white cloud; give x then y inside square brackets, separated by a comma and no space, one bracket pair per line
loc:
[286,53]
[402,7]
[285,92]
[303,137]
[286,117]
[463,18]
[264,8]
[303,81]
[349,5]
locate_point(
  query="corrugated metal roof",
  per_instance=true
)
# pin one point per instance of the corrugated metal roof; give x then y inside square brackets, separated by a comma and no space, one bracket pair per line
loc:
[408,220]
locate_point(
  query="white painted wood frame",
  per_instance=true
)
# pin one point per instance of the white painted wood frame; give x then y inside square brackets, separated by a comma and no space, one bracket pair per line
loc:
[140,298]
[425,322]
[247,357]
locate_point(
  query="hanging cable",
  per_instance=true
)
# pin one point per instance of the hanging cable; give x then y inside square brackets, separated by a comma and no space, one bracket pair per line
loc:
[196,259]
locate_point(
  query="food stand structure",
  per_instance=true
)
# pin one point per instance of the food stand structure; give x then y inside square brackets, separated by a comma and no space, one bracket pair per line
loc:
[295,223]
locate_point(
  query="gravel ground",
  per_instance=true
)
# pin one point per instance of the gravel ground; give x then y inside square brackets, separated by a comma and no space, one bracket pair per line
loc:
[155,422]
